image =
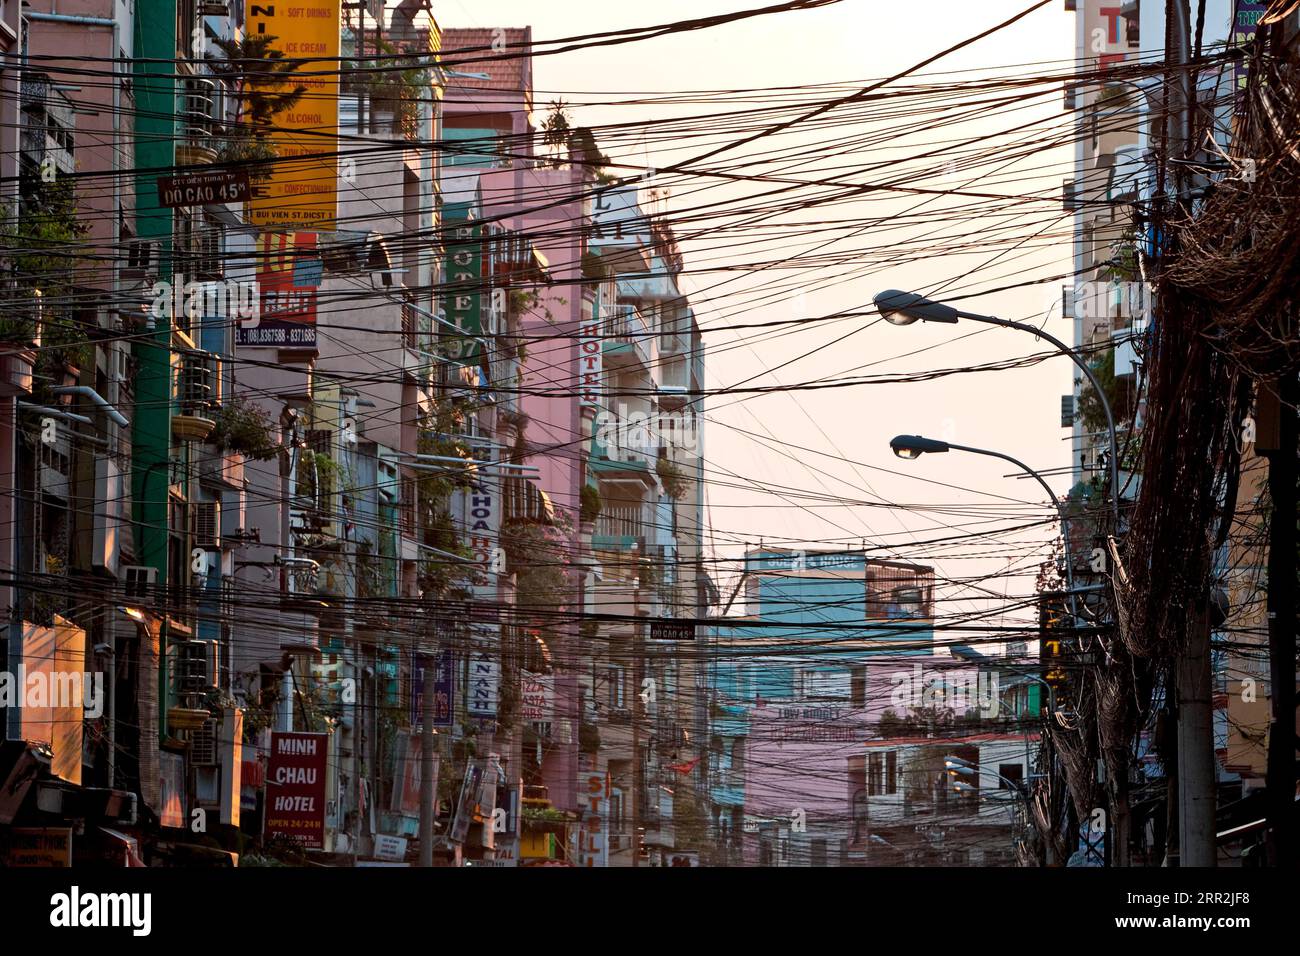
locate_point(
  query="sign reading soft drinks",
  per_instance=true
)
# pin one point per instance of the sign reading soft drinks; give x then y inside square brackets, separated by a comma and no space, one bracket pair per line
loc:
[302,190]
[295,788]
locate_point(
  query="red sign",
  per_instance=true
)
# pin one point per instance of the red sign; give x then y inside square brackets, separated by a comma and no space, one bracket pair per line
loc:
[295,788]
[288,276]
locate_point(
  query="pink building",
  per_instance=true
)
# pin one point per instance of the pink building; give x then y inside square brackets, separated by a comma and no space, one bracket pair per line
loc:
[487,130]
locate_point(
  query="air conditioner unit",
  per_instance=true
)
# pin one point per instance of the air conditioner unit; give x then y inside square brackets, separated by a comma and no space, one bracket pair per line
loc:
[194,666]
[207,524]
[140,582]
[204,751]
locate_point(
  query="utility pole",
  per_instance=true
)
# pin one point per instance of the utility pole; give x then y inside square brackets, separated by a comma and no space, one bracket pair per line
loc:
[1196,773]
[637,760]
[1281,454]
[1196,769]
[426,763]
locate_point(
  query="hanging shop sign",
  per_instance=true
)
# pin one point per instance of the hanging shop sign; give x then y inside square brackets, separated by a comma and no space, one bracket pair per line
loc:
[464,292]
[203,189]
[484,684]
[537,697]
[295,788]
[444,687]
[302,188]
[288,278]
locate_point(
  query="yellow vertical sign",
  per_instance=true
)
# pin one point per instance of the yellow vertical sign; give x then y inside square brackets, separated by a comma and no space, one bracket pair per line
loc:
[303,188]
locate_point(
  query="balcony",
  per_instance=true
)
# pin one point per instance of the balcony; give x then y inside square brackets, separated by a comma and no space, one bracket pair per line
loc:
[196,144]
[628,338]
[194,423]
[619,527]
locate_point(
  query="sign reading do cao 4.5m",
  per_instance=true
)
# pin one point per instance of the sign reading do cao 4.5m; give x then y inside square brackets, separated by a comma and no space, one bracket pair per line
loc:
[295,788]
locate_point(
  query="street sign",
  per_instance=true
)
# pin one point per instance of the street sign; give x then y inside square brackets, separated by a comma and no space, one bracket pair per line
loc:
[671,630]
[205,188]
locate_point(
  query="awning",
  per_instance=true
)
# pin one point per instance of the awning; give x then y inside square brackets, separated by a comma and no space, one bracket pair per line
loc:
[524,501]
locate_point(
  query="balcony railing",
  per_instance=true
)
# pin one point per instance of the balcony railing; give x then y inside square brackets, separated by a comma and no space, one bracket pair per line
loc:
[625,325]
[198,121]
[621,521]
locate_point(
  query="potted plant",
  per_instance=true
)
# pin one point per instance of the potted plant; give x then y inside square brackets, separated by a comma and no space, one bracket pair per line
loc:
[674,482]
[590,506]
[244,428]
[259,76]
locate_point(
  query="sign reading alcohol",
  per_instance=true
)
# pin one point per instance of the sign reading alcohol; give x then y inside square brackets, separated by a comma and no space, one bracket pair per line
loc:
[303,187]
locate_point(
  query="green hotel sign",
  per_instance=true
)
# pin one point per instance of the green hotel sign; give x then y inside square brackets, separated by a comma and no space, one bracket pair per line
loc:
[463,292]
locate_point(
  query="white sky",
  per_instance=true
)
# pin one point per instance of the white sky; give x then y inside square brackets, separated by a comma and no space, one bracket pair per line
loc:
[1016,412]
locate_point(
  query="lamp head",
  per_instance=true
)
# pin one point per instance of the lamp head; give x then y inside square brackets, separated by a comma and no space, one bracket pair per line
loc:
[904,308]
[911,447]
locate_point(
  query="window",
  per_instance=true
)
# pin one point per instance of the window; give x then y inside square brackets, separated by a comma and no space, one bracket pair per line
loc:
[826,685]
[1013,773]
[616,697]
[891,772]
[817,853]
[616,811]
[876,774]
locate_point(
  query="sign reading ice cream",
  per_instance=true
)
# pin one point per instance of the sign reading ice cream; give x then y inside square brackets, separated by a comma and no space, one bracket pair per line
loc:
[303,186]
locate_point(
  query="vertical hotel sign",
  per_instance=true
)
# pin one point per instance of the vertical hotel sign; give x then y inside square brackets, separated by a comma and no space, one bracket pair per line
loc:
[464,287]
[303,189]
[295,788]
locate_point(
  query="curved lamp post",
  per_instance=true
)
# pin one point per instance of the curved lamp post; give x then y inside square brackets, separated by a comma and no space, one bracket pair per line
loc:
[911,447]
[904,308]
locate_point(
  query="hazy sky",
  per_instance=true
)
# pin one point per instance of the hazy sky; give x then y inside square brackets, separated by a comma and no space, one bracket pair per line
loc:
[1016,412]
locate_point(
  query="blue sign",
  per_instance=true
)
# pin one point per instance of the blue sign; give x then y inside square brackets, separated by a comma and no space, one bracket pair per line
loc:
[444,687]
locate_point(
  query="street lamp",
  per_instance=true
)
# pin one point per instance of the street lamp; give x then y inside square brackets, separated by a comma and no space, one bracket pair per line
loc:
[958,767]
[970,654]
[912,447]
[904,308]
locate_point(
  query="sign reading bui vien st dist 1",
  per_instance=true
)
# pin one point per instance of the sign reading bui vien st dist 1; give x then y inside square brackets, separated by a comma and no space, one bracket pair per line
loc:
[303,186]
